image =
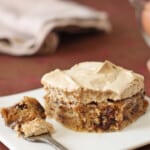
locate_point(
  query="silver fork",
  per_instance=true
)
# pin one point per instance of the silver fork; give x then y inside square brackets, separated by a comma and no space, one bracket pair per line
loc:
[46,138]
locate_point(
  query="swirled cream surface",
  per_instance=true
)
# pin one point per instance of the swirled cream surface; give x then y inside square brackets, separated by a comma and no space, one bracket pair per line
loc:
[112,81]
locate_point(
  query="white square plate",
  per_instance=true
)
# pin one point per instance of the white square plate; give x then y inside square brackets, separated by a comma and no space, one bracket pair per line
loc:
[135,135]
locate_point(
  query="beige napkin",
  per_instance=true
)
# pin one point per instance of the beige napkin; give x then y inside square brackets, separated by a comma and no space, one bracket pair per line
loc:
[30,26]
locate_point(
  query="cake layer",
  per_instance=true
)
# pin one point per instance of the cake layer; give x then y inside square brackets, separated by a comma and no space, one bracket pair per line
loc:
[97,116]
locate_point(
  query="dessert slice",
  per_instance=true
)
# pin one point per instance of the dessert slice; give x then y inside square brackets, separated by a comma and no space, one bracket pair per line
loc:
[94,96]
[27,117]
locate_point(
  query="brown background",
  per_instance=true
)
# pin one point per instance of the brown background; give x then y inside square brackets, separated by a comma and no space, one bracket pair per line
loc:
[123,46]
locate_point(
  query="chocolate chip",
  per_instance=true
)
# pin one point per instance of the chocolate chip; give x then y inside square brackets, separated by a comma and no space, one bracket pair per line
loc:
[21,106]
[93,103]
[107,118]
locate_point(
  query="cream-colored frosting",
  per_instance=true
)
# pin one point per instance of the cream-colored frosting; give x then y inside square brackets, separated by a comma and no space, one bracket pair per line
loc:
[104,77]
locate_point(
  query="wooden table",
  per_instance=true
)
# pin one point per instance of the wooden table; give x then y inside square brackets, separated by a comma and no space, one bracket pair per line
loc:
[123,46]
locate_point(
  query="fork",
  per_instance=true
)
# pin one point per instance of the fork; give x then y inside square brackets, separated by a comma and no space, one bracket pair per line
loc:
[46,138]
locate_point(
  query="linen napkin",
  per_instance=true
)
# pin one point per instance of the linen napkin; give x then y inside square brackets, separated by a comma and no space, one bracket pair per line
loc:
[28,27]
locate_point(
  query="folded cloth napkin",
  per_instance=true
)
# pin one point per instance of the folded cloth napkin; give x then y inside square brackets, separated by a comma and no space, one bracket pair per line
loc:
[31,26]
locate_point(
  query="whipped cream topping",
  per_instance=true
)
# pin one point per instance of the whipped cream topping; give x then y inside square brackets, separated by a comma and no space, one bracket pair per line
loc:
[104,77]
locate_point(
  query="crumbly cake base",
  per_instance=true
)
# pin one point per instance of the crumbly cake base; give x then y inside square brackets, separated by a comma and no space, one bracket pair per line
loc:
[27,117]
[26,110]
[36,127]
[96,116]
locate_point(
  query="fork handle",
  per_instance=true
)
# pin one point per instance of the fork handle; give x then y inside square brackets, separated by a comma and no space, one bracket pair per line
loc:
[56,145]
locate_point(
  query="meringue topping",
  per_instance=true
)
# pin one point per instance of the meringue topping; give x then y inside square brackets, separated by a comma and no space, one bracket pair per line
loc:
[104,77]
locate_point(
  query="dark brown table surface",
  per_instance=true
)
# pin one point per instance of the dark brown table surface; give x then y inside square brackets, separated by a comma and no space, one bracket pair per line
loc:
[123,46]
